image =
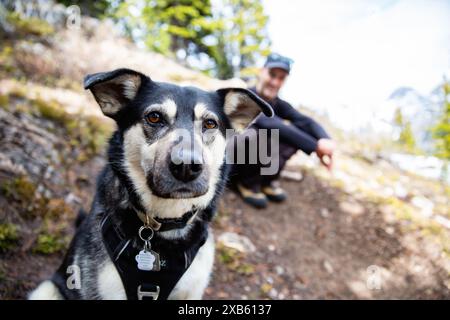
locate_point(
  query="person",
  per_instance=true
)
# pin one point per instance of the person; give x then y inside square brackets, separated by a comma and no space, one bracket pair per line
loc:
[301,132]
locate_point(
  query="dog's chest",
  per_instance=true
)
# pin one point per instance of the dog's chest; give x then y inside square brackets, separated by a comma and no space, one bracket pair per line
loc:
[190,286]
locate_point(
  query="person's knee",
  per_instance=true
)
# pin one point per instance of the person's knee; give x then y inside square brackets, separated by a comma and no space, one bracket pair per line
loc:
[287,151]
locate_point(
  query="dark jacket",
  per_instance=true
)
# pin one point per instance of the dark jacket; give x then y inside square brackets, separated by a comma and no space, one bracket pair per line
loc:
[303,132]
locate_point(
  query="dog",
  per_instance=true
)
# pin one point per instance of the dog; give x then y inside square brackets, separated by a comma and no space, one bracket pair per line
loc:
[146,235]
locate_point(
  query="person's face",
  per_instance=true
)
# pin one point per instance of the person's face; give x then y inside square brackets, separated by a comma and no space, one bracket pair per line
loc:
[271,81]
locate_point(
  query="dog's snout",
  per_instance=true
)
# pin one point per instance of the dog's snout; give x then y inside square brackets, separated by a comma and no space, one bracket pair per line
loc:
[186,170]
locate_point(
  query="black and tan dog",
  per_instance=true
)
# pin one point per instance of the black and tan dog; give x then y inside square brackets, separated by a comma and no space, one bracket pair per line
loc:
[147,233]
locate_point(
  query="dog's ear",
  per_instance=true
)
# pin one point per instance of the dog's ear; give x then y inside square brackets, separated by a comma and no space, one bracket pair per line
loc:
[242,106]
[113,90]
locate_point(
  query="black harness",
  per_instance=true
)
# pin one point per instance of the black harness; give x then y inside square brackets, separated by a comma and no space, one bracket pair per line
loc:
[175,256]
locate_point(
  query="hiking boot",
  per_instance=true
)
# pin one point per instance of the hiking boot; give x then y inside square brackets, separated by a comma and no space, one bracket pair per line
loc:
[252,196]
[274,192]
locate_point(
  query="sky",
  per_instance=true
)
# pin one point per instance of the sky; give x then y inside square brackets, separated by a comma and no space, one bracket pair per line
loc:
[352,54]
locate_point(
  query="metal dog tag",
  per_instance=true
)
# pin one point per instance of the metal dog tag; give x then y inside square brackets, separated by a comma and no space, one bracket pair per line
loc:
[148,260]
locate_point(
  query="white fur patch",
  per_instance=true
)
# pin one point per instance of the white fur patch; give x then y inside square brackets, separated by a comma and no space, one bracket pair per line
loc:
[196,278]
[110,285]
[131,86]
[46,291]
[168,107]
[199,110]
[232,101]
[241,109]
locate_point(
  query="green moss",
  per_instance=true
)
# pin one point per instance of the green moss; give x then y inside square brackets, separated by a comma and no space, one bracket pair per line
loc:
[20,188]
[29,26]
[51,110]
[175,77]
[89,133]
[233,260]
[48,244]
[21,108]
[6,53]
[22,192]
[8,236]
[18,92]
[7,59]
[245,269]
[4,102]
[226,255]
[2,274]
[51,239]
[55,208]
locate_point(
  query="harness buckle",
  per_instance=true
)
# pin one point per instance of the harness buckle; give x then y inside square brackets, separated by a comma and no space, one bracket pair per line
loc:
[147,294]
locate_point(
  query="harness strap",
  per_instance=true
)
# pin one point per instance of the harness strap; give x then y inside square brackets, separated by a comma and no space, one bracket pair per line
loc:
[141,284]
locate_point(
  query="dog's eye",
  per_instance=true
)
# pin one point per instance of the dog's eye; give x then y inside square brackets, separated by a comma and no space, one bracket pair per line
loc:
[209,124]
[154,117]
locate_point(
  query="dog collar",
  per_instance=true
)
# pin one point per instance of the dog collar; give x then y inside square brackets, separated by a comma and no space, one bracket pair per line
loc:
[166,224]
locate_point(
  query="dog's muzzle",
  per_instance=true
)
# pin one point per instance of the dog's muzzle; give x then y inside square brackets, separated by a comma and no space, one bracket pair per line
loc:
[183,175]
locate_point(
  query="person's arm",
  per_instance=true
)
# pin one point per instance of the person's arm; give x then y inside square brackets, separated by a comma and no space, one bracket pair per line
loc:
[297,138]
[305,123]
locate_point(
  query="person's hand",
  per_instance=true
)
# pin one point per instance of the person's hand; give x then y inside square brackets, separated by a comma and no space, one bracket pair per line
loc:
[325,150]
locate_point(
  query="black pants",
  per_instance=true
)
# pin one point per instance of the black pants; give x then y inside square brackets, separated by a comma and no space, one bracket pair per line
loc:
[249,173]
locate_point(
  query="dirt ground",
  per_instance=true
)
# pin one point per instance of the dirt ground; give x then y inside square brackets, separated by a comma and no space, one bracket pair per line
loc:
[306,248]
[309,248]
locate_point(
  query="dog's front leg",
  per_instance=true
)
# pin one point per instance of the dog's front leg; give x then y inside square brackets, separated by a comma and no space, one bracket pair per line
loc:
[196,278]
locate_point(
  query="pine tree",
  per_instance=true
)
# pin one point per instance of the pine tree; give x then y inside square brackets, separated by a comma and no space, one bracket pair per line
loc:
[441,131]
[225,41]
[406,138]
[172,27]
[90,8]
[243,39]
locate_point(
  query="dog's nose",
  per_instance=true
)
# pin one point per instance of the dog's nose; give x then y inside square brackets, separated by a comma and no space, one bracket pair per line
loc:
[186,171]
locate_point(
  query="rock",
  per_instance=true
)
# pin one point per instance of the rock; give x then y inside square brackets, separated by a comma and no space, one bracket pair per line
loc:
[324,212]
[222,295]
[442,221]
[390,230]
[425,205]
[351,207]
[238,242]
[291,175]
[328,267]
[273,293]
[72,199]
[299,286]
[279,270]
[400,191]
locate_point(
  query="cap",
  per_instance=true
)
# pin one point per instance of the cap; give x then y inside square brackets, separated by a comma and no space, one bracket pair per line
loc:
[275,60]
